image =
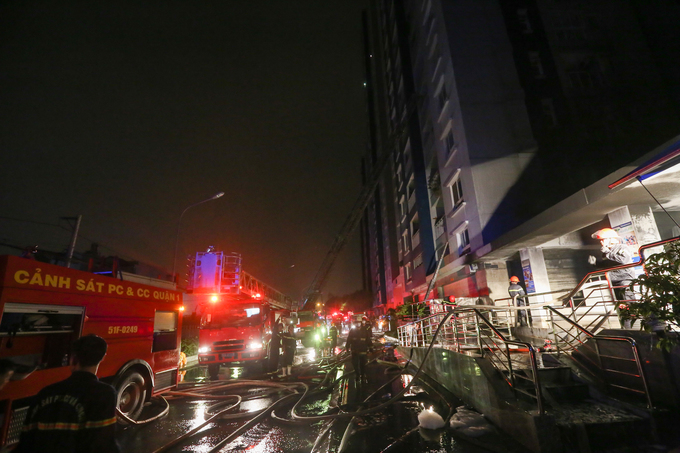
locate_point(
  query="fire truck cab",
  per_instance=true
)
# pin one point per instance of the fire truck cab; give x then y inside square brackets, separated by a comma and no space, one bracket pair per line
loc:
[237,331]
[237,319]
[44,308]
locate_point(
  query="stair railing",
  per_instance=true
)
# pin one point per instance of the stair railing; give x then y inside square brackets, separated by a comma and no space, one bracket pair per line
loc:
[492,342]
[470,330]
[574,341]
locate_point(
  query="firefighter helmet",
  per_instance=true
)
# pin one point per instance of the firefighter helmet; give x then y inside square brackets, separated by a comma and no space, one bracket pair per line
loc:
[514,279]
[605,233]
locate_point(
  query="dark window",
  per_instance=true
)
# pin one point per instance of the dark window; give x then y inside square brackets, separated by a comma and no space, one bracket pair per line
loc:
[165,331]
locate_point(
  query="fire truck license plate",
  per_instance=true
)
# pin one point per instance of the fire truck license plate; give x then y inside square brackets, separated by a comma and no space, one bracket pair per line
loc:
[123,329]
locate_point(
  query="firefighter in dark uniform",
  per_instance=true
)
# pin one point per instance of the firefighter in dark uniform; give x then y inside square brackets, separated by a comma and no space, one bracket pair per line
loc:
[359,343]
[519,300]
[333,334]
[77,414]
[289,347]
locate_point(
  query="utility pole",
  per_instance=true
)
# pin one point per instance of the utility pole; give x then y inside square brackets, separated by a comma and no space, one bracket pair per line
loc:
[72,245]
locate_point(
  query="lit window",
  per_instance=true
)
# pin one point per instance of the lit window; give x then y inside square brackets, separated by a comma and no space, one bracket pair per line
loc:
[450,142]
[463,238]
[415,227]
[457,192]
[411,187]
[443,97]
[415,224]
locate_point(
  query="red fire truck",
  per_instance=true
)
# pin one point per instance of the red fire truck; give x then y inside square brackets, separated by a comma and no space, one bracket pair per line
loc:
[237,312]
[46,307]
[307,322]
[236,331]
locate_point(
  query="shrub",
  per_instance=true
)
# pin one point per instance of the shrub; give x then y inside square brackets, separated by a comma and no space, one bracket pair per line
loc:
[659,304]
[190,346]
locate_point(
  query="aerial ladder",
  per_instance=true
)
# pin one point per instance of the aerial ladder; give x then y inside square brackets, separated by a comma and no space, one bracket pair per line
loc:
[314,290]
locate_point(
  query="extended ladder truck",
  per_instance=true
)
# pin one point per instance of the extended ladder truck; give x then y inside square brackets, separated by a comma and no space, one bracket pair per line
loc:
[237,317]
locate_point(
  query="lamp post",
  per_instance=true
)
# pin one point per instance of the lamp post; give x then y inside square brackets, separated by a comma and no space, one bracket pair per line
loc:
[179,222]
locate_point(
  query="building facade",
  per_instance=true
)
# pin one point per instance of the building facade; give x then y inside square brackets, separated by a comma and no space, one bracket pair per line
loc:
[485,115]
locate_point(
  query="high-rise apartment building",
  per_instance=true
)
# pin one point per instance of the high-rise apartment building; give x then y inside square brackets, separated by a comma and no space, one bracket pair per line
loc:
[490,112]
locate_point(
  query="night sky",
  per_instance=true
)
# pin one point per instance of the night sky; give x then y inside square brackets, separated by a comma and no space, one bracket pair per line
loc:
[128,112]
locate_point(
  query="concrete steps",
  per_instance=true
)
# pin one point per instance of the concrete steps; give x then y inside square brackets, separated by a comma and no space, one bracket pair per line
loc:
[587,425]
[615,367]
[591,426]
[557,385]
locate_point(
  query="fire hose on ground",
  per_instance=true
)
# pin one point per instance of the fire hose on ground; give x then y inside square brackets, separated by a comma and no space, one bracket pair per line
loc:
[298,390]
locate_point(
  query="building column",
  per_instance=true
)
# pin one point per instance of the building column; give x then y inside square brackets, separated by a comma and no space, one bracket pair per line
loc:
[535,275]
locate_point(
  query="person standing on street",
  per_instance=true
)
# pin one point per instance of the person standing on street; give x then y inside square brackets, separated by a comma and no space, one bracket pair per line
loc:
[77,414]
[519,300]
[289,348]
[333,334]
[359,342]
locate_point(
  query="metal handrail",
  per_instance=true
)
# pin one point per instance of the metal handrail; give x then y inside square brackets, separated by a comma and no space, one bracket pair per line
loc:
[596,338]
[532,354]
[532,295]
[643,258]
[638,363]
[407,333]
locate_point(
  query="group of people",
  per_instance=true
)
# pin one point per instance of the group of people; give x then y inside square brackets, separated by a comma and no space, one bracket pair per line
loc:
[78,414]
[326,339]
[283,337]
[359,343]
[614,251]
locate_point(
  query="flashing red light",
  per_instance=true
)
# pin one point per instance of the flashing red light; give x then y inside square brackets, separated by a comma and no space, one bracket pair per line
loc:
[214,299]
[258,296]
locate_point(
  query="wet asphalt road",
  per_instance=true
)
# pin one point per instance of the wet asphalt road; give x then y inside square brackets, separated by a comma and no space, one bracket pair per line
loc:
[393,428]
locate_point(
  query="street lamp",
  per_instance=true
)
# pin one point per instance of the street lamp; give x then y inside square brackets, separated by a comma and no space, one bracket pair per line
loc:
[179,222]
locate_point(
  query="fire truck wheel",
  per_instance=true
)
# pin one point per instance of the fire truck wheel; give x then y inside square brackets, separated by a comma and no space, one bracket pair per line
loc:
[132,394]
[214,371]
